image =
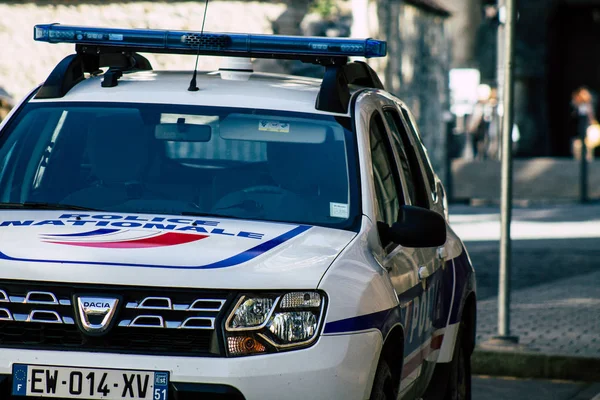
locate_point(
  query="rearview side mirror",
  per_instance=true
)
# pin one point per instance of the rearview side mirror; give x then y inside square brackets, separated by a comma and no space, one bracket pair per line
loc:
[416,227]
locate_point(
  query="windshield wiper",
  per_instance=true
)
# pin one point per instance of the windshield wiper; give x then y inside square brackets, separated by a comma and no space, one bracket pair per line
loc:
[201,214]
[33,205]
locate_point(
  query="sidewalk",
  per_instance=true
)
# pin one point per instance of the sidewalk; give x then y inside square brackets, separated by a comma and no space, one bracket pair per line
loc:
[507,388]
[558,326]
[555,301]
[537,179]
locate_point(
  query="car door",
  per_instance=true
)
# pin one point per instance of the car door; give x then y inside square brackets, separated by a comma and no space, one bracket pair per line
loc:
[432,184]
[394,187]
[392,190]
[425,307]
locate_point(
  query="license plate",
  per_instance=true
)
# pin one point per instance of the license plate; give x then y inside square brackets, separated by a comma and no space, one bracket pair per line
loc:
[89,383]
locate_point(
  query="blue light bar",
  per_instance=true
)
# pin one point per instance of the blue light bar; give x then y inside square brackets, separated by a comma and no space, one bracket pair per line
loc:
[226,44]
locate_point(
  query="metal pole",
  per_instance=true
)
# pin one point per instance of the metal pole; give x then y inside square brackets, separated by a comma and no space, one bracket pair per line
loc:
[582,124]
[506,184]
[449,119]
[500,76]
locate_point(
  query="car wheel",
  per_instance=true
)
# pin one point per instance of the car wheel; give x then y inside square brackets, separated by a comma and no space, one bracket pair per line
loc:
[459,381]
[383,384]
[452,381]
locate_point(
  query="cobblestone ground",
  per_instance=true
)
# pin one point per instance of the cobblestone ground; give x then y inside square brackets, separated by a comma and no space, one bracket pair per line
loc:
[555,303]
[502,388]
[549,243]
[25,63]
[534,262]
[551,318]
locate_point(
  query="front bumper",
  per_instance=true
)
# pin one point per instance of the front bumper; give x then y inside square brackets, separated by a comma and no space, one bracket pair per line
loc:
[336,367]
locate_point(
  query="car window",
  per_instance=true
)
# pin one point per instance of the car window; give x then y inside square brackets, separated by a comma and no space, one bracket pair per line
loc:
[385,175]
[405,168]
[215,149]
[173,159]
[427,168]
[405,149]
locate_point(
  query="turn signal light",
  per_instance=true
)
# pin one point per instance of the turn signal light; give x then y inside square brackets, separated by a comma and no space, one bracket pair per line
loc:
[243,345]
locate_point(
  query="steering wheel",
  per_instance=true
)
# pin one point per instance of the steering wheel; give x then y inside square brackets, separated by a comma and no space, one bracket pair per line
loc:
[269,189]
[249,202]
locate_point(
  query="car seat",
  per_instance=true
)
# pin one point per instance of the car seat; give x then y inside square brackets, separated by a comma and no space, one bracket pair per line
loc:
[306,178]
[118,147]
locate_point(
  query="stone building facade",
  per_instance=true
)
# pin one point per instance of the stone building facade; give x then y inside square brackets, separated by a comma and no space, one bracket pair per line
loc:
[557,51]
[418,64]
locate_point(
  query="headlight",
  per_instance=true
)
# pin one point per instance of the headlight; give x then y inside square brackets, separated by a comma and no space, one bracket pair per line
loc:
[293,327]
[271,323]
[251,312]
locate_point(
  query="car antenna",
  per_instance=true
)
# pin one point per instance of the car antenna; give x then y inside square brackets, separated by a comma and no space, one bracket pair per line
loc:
[193,86]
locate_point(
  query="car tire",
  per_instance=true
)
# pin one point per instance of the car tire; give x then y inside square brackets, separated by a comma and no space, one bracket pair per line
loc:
[452,381]
[459,379]
[383,384]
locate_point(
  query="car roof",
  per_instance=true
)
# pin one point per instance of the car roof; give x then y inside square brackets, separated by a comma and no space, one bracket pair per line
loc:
[216,88]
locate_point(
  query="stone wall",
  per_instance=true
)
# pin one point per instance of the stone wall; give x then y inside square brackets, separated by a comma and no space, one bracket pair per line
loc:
[25,63]
[462,30]
[417,67]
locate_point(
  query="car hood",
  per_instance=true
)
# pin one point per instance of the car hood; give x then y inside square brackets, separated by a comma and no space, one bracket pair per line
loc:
[163,250]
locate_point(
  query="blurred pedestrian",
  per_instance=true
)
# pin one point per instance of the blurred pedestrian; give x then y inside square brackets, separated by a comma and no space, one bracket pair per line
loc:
[588,128]
[478,126]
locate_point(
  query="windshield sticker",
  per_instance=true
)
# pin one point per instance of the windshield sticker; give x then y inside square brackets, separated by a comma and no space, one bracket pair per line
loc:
[339,210]
[273,126]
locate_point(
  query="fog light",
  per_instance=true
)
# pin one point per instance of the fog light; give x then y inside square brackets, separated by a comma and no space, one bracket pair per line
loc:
[291,327]
[240,345]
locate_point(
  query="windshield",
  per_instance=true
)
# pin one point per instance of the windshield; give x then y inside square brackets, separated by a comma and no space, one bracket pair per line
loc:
[165,159]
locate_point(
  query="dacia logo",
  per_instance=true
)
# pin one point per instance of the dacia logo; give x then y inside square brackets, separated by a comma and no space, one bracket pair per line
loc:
[90,304]
[95,314]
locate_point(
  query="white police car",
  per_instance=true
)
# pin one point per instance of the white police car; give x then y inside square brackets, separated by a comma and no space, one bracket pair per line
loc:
[254,237]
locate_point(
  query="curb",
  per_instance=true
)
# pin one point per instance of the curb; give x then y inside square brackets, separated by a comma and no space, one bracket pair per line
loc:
[522,364]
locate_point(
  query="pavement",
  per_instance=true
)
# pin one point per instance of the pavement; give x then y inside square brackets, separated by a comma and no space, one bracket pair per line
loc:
[503,388]
[534,179]
[555,290]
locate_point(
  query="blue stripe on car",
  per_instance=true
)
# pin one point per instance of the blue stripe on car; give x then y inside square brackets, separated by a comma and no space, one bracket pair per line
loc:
[365,322]
[258,250]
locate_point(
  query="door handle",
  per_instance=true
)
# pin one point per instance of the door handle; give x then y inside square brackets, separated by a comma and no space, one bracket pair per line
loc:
[442,253]
[423,273]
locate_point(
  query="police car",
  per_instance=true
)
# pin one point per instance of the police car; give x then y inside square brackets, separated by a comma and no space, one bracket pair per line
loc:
[238,235]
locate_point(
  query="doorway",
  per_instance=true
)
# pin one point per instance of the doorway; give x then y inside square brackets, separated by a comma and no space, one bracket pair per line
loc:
[574,61]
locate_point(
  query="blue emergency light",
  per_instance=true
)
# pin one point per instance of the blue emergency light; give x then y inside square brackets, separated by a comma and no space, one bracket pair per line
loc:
[226,44]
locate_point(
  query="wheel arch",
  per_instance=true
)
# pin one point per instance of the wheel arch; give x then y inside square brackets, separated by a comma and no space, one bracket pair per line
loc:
[438,384]
[393,351]
[469,321]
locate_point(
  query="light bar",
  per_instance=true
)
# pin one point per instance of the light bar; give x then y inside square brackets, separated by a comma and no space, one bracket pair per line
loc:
[227,44]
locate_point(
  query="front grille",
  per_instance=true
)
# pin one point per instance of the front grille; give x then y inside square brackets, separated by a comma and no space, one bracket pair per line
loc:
[148,320]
